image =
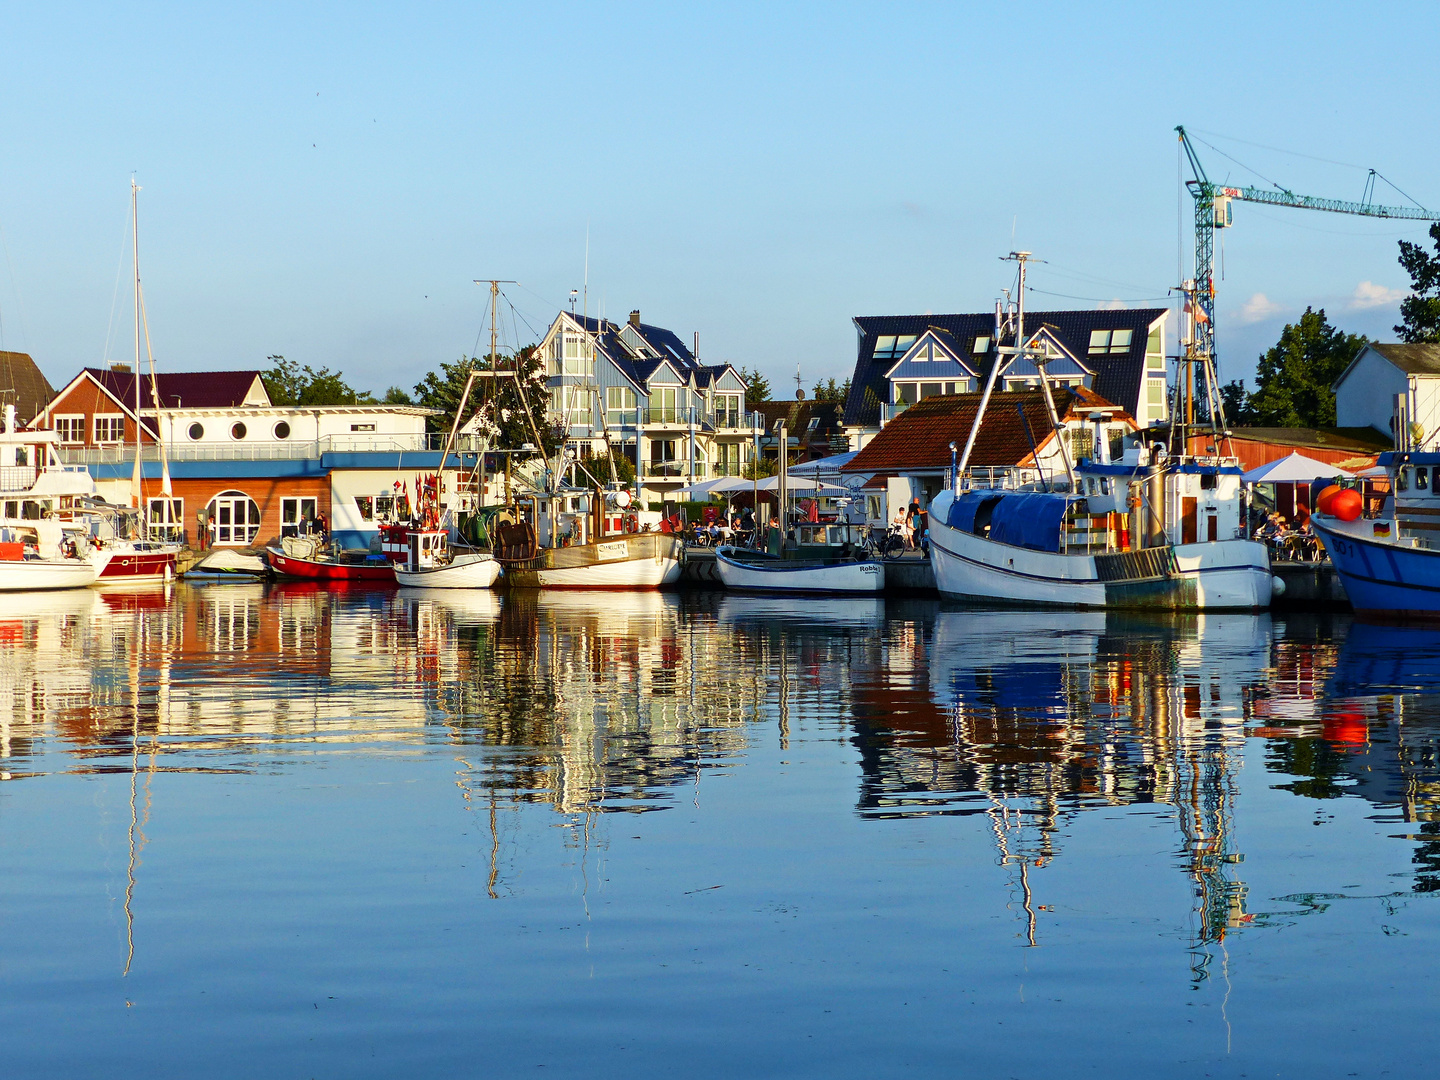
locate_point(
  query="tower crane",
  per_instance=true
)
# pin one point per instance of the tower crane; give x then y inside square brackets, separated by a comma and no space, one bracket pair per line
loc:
[1212,211]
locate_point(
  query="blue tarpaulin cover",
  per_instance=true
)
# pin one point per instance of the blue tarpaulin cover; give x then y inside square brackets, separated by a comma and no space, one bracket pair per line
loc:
[966,506]
[1029,519]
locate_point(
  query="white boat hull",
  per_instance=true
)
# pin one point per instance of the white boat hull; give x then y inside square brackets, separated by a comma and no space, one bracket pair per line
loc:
[464,572]
[632,574]
[631,561]
[1221,574]
[26,574]
[776,576]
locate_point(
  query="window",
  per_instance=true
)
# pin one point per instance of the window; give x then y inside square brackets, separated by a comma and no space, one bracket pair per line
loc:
[166,520]
[727,410]
[1156,394]
[234,518]
[1154,362]
[282,430]
[891,346]
[237,430]
[665,405]
[70,428]
[1422,478]
[109,428]
[1113,341]
[905,393]
[366,507]
[362,427]
[1402,479]
[930,389]
[579,356]
[1082,443]
[196,431]
[297,516]
[980,345]
[575,405]
[619,405]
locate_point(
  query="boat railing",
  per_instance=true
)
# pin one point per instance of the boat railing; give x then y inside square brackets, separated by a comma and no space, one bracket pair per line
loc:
[18,477]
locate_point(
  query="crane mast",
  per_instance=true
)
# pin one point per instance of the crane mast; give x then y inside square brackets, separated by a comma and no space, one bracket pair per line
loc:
[1212,211]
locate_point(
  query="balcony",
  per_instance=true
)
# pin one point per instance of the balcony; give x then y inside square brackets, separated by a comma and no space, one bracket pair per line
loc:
[889,412]
[675,470]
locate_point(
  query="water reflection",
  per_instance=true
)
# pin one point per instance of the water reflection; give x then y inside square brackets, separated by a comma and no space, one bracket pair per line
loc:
[592,703]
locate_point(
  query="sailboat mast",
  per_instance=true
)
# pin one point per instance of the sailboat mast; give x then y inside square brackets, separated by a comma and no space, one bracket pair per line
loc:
[136,493]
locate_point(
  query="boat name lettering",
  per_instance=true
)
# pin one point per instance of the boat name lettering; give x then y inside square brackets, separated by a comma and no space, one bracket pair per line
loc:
[616,549]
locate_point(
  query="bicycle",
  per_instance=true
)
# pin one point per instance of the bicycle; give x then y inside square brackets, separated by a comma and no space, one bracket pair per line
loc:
[887,543]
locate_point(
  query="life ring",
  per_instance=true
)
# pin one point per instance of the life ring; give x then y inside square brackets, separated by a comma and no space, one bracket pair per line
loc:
[632,523]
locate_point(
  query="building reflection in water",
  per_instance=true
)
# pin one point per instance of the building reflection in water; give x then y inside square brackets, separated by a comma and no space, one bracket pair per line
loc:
[602,702]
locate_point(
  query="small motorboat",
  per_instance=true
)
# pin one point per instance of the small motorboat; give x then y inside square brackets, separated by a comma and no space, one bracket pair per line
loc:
[225,565]
[741,568]
[432,564]
[23,567]
[303,557]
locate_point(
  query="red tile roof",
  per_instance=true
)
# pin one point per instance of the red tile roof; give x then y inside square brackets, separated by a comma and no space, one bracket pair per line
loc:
[920,437]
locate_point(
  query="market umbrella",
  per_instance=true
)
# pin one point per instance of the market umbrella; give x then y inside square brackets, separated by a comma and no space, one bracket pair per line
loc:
[1295,468]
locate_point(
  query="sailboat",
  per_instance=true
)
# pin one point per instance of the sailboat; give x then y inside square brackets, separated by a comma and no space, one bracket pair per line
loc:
[1160,529]
[119,547]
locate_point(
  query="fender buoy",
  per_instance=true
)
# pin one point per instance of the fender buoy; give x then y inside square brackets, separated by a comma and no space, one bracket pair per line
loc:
[1346,505]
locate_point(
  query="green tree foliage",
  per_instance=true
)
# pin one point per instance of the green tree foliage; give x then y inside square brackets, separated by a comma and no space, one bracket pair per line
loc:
[396,396]
[289,383]
[757,387]
[1237,404]
[1296,375]
[496,401]
[1420,312]
[830,391]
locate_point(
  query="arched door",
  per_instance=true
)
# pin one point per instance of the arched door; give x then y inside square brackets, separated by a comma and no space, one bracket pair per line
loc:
[234,518]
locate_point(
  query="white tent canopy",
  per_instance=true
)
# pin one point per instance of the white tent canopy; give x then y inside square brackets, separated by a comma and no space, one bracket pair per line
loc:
[825,466]
[1295,468]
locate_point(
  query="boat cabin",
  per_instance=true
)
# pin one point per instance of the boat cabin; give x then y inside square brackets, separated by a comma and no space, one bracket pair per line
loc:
[428,549]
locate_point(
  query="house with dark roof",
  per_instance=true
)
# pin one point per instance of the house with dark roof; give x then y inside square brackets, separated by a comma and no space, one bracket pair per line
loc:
[903,359]
[642,391]
[23,385]
[910,457]
[1394,389]
[813,429]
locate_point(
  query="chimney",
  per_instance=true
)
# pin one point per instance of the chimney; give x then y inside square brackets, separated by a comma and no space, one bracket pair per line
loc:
[635,318]
[121,369]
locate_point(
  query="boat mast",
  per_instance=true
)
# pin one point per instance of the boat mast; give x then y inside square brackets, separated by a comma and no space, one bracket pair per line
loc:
[135,491]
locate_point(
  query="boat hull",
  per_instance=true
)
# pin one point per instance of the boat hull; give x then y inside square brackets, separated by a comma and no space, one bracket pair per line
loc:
[465,572]
[24,575]
[327,570]
[633,561]
[1218,575]
[1381,577]
[118,566]
[775,576]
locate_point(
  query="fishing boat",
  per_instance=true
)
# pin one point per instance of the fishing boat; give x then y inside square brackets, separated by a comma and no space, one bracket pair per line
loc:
[433,564]
[304,557]
[1160,529]
[564,554]
[1389,560]
[759,571]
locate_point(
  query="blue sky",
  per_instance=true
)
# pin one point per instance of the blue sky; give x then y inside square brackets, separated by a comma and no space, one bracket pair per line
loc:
[326,181]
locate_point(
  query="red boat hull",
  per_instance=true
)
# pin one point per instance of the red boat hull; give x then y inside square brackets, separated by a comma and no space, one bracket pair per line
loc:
[330,571]
[138,566]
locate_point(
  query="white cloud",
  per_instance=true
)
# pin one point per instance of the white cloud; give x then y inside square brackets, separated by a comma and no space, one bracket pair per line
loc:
[1369,295]
[1110,305]
[1258,308]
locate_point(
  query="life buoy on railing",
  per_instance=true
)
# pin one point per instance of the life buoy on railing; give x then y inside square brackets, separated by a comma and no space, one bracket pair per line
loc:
[632,523]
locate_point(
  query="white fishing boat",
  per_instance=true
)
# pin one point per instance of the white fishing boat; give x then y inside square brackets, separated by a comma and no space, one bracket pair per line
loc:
[433,564]
[1156,530]
[758,571]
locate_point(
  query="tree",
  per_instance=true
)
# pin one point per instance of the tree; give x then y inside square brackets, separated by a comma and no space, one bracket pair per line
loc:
[1295,376]
[289,383]
[1237,403]
[1420,312]
[829,391]
[757,387]
[496,403]
[396,396]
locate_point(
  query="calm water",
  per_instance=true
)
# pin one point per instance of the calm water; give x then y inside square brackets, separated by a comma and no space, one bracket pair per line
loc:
[289,832]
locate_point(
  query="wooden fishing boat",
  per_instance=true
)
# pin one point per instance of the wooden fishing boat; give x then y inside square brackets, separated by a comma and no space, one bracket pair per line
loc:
[638,560]
[758,571]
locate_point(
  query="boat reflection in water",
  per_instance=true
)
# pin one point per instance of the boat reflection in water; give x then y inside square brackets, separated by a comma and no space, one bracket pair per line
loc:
[1031,718]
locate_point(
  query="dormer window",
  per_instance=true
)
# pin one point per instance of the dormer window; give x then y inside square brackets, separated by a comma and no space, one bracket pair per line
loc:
[1110,341]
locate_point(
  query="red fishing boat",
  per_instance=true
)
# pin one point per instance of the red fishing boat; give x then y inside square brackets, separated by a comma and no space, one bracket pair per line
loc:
[302,557]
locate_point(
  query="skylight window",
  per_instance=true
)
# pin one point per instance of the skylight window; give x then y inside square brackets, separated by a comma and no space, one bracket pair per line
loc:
[1110,341]
[893,346]
[981,345]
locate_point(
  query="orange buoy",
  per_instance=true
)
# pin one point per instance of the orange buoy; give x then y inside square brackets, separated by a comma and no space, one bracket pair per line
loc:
[1322,501]
[1346,504]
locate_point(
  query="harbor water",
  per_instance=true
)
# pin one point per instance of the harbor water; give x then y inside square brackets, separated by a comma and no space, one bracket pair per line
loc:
[278,830]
